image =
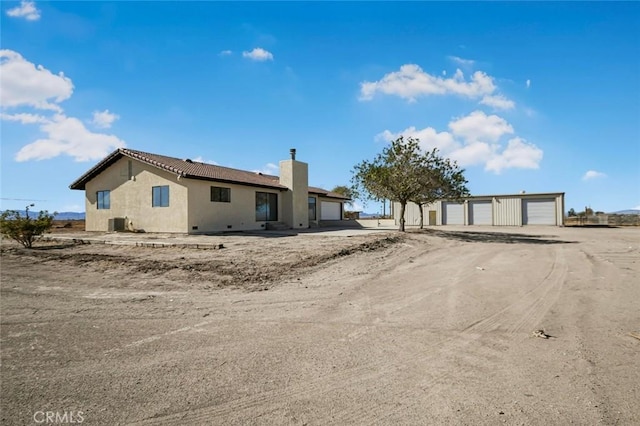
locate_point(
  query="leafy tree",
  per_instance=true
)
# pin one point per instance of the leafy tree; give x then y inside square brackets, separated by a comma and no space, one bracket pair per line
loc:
[24,229]
[345,191]
[439,179]
[571,212]
[403,173]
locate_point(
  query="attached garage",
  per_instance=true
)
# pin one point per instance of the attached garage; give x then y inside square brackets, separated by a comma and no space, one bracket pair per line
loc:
[453,213]
[539,211]
[481,212]
[330,211]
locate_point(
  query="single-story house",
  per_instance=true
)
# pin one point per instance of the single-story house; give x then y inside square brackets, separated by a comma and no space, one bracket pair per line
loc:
[498,210]
[135,190]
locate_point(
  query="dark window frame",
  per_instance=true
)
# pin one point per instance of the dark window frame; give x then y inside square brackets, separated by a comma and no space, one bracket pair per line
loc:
[102,202]
[313,204]
[266,207]
[160,196]
[220,194]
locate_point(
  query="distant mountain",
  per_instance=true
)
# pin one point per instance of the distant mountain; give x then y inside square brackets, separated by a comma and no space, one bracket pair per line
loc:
[69,216]
[630,211]
[369,215]
[59,216]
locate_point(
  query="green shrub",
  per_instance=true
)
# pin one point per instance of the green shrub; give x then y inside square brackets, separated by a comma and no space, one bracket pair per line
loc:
[25,229]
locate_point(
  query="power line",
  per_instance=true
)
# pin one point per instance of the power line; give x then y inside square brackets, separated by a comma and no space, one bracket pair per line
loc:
[22,199]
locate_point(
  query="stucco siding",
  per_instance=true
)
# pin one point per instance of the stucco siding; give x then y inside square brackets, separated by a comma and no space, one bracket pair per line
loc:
[237,215]
[294,175]
[131,198]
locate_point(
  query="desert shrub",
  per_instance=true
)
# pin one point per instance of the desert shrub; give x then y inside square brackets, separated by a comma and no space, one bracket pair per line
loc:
[25,229]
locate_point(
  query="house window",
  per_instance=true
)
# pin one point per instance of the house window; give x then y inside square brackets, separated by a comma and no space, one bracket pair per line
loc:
[104,199]
[266,207]
[312,208]
[160,196]
[220,195]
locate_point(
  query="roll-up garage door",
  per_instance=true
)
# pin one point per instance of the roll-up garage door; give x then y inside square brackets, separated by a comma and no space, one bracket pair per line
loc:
[453,214]
[539,212]
[330,211]
[480,213]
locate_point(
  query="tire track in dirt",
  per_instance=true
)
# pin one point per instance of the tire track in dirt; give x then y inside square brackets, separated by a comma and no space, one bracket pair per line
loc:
[324,385]
[534,304]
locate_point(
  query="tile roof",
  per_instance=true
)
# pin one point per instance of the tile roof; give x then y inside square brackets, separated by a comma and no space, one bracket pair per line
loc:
[325,193]
[192,170]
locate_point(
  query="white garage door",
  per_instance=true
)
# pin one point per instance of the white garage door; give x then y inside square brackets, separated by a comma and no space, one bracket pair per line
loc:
[329,211]
[539,212]
[453,214]
[480,213]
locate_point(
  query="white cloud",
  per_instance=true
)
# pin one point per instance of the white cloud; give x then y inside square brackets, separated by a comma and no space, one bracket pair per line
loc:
[462,62]
[258,54]
[472,153]
[355,206]
[73,208]
[24,118]
[476,139]
[411,82]
[429,138]
[22,83]
[199,159]
[478,126]
[104,119]
[518,155]
[498,102]
[68,136]
[592,174]
[27,10]
[225,53]
[268,169]
[528,83]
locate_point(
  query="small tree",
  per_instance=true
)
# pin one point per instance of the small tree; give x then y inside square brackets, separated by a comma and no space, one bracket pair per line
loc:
[24,229]
[345,191]
[439,179]
[571,212]
[403,173]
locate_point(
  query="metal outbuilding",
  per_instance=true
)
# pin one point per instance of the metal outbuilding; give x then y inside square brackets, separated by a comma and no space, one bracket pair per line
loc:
[497,210]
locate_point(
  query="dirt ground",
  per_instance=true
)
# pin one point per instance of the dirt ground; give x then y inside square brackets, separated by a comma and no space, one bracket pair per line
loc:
[430,327]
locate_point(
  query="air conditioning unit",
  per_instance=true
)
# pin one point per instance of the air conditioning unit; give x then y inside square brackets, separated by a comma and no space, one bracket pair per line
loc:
[117,224]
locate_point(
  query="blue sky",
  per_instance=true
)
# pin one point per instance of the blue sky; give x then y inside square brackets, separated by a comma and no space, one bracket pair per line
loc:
[541,97]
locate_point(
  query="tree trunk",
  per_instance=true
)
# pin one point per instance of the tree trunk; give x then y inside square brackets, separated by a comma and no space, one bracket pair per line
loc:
[402,206]
[421,216]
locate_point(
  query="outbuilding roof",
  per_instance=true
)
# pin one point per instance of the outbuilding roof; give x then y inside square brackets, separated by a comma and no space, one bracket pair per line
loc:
[190,169]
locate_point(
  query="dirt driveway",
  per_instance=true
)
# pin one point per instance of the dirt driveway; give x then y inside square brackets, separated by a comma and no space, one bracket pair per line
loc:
[430,327]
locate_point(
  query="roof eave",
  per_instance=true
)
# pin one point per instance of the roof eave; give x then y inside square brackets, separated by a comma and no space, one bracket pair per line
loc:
[258,185]
[97,169]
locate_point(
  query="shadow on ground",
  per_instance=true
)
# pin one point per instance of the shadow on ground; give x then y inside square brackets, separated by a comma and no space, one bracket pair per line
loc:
[495,237]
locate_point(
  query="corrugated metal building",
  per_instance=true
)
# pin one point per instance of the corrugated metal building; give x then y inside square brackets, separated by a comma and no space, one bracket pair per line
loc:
[496,210]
